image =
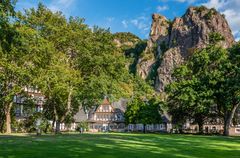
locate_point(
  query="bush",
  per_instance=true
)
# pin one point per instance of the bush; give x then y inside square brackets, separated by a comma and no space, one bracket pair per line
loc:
[215,37]
[83,125]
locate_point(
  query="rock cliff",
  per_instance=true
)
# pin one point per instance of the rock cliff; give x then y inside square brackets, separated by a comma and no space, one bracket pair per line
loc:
[171,42]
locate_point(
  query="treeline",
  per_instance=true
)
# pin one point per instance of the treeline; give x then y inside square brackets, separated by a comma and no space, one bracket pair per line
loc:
[70,63]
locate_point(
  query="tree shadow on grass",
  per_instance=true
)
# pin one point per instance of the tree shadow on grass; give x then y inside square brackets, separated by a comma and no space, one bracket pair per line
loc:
[119,146]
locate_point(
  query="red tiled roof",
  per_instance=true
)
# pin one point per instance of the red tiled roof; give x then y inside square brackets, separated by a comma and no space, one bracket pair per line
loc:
[105,102]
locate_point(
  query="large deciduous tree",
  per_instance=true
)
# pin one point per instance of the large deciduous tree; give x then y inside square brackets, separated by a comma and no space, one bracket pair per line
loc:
[210,78]
[83,65]
[19,49]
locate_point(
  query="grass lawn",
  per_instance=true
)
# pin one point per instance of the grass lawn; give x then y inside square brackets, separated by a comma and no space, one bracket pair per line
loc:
[119,146]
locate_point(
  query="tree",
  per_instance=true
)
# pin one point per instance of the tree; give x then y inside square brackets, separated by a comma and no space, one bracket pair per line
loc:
[209,78]
[59,85]
[227,90]
[143,111]
[19,48]
[83,65]
[103,68]
[188,98]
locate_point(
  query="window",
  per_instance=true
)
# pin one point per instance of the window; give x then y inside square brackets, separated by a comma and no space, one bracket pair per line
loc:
[237,130]
[130,126]
[106,108]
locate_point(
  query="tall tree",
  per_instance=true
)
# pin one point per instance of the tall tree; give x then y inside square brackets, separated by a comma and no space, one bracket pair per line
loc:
[227,90]
[59,84]
[103,68]
[188,98]
[209,78]
[91,54]
[60,78]
[19,49]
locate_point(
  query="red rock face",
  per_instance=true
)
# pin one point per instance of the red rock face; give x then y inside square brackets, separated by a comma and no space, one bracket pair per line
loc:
[182,37]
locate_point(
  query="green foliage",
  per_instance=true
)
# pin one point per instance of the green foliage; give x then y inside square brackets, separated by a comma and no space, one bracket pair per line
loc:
[126,37]
[67,61]
[19,56]
[209,78]
[210,13]
[201,9]
[163,47]
[82,125]
[151,78]
[29,124]
[215,37]
[174,42]
[135,54]
[140,110]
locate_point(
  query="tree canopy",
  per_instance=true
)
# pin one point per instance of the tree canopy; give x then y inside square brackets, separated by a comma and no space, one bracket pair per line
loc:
[206,83]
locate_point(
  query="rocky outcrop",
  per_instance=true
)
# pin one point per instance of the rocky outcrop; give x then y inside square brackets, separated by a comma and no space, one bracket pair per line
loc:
[170,43]
[158,34]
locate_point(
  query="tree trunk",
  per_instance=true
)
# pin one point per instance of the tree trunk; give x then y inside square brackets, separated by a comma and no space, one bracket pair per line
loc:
[144,128]
[53,123]
[8,118]
[69,104]
[57,129]
[228,120]
[39,132]
[200,126]
[2,122]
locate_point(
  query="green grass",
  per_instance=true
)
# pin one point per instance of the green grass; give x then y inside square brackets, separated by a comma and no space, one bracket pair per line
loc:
[119,146]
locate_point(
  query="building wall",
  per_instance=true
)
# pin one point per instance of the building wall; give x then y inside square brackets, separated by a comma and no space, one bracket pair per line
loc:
[149,127]
[235,131]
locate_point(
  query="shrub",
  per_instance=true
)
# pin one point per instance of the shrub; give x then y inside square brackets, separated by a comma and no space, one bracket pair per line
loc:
[215,37]
[83,125]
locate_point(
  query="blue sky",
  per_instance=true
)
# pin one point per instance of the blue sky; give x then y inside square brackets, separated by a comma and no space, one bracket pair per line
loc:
[134,15]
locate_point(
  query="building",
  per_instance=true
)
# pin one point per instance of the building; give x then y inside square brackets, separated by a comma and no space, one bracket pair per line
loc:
[105,117]
[32,95]
[110,117]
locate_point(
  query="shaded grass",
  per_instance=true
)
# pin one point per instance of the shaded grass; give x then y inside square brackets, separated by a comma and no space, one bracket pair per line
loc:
[119,145]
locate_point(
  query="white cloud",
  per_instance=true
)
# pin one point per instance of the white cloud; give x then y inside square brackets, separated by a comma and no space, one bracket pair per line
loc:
[110,19]
[217,4]
[125,23]
[162,8]
[186,1]
[141,23]
[134,22]
[180,1]
[61,5]
[230,8]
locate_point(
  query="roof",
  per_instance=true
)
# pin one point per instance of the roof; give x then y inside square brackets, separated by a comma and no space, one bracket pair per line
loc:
[105,102]
[120,105]
[81,115]
[165,119]
[87,114]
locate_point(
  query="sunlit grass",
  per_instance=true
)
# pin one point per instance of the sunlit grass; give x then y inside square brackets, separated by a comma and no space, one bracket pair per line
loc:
[119,145]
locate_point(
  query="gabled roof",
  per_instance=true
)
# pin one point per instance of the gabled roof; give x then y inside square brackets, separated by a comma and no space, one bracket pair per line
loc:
[105,102]
[120,105]
[81,115]
[84,114]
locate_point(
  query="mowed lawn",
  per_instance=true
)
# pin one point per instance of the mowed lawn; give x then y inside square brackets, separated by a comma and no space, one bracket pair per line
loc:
[116,145]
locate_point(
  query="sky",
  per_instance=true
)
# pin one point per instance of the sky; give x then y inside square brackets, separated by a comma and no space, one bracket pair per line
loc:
[134,15]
